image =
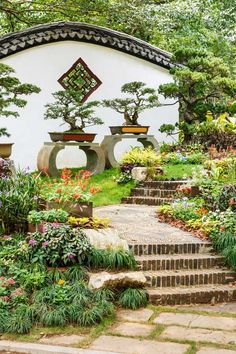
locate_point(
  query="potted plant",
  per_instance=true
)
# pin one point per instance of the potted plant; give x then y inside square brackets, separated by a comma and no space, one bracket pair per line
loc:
[37,219]
[142,98]
[11,92]
[72,194]
[68,106]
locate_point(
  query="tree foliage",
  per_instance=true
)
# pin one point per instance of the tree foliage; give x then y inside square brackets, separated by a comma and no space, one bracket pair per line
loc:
[141,98]
[11,92]
[68,106]
[201,83]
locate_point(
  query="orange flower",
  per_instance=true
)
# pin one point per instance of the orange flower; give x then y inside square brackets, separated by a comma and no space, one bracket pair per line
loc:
[76,195]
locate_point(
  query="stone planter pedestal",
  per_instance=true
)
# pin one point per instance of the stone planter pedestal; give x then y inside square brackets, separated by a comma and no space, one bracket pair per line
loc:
[109,142]
[46,160]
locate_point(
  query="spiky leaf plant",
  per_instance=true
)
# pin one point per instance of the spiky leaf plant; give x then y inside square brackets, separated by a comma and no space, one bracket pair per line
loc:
[133,298]
[22,320]
[112,259]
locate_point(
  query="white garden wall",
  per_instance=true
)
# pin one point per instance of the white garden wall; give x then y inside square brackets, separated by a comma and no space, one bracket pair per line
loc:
[44,64]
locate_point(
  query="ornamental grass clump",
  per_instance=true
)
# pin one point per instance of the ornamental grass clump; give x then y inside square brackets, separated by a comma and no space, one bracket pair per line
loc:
[111,259]
[133,298]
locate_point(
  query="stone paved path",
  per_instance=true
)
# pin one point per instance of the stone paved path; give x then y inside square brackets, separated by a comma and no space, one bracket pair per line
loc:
[137,223]
[174,332]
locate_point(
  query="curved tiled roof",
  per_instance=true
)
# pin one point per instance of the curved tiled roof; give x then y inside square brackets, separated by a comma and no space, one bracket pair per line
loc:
[76,31]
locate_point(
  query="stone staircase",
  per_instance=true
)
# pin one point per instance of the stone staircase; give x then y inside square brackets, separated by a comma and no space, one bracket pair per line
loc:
[153,193]
[180,274]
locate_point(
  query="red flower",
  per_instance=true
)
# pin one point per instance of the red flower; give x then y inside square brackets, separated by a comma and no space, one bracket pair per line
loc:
[231,201]
[222,228]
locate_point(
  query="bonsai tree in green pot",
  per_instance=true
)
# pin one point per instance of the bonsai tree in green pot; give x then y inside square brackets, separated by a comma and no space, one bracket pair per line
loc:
[11,92]
[141,98]
[68,107]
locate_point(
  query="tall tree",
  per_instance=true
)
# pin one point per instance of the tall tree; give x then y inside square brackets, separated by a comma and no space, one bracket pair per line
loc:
[202,82]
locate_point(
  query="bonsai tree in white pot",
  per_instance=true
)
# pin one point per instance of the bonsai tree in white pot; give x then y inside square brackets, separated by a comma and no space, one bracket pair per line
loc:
[141,98]
[12,93]
[68,107]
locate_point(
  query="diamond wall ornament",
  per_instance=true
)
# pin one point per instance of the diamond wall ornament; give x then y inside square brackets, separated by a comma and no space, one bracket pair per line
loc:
[80,77]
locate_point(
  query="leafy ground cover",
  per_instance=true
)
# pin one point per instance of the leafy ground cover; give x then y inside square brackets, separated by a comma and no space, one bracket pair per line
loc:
[212,213]
[177,172]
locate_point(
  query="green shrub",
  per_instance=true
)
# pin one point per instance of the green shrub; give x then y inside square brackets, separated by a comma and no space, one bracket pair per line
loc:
[59,245]
[18,196]
[227,197]
[141,157]
[133,298]
[52,215]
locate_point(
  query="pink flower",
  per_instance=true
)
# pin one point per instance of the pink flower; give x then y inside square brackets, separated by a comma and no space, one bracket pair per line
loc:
[4,298]
[45,243]
[10,281]
[17,292]
[32,242]
[71,255]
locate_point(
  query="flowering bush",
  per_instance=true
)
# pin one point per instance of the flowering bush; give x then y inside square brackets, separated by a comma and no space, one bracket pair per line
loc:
[69,189]
[10,294]
[184,189]
[58,245]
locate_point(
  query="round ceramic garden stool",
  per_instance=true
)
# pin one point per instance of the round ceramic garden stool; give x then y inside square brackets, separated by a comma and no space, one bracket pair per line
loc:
[46,160]
[109,142]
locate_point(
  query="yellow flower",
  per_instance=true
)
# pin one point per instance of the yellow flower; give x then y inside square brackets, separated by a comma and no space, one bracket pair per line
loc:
[61,282]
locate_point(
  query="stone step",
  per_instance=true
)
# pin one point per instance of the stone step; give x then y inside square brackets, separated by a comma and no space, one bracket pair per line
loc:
[200,294]
[171,248]
[178,261]
[190,277]
[170,185]
[145,200]
[153,192]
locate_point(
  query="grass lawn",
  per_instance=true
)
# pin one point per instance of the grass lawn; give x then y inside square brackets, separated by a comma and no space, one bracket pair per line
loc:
[112,193]
[177,171]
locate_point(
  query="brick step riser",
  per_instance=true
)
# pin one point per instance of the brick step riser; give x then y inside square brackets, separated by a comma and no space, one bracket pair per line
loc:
[201,297]
[145,192]
[141,201]
[189,280]
[180,264]
[170,185]
[168,249]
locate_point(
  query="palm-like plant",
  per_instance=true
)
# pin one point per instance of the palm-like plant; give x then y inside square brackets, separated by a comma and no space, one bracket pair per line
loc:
[68,107]
[142,98]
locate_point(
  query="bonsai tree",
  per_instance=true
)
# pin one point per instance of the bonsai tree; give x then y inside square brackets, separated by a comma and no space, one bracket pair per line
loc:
[202,83]
[68,107]
[142,98]
[11,92]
